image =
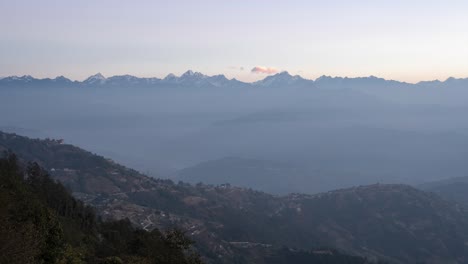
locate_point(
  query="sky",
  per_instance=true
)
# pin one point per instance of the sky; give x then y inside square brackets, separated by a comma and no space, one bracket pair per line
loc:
[245,39]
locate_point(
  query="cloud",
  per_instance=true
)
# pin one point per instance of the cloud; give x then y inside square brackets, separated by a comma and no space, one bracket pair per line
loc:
[264,70]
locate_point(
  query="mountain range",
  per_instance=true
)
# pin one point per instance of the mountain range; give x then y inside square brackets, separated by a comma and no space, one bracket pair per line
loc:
[197,79]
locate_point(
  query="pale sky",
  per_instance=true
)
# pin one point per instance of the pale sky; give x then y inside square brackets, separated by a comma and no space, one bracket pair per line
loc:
[402,40]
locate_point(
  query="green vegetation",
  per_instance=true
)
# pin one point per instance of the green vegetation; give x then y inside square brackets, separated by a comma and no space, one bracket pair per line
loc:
[40,222]
[395,223]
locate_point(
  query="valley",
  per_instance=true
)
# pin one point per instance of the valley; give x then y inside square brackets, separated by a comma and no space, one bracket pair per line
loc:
[394,223]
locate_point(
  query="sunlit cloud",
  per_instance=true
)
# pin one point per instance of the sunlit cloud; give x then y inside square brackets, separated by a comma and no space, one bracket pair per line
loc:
[264,70]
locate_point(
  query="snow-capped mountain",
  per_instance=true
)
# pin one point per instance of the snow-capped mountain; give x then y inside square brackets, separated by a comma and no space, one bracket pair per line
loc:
[61,79]
[130,81]
[345,82]
[461,82]
[218,80]
[191,79]
[188,75]
[170,78]
[197,79]
[284,79]
[28,80]
[24,79]
[98,78]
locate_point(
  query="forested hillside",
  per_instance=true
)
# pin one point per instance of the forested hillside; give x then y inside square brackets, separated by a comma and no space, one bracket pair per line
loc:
[395,223]
[40,222]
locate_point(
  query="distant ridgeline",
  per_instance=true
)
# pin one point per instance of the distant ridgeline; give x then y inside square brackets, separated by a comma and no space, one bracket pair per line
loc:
[394,223]
[196,79]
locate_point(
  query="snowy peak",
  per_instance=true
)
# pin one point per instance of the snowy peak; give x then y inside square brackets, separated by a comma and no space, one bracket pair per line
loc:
[130,81]
[62,79]
[193,79]
[284,79]
[189,78]
[29,81]
[453,80]
[433,83]
[192,75]
[188,73]
[123,78]
[355,82]
[219,77]
[27,78]
[98,78]
[170,77]
[24,78]
[218,80]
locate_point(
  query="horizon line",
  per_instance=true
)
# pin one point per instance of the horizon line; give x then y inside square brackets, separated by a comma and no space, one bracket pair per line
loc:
[220,74]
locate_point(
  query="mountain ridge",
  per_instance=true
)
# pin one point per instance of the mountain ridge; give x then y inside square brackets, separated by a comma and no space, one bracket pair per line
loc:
[199,79]
[397,223]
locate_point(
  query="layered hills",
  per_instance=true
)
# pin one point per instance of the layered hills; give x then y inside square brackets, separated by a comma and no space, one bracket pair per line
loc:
[395,223]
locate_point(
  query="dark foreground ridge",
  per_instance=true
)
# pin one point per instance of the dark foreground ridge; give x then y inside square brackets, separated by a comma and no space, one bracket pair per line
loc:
[40,222]
[395,223]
